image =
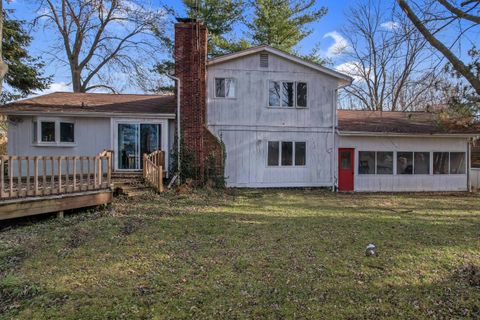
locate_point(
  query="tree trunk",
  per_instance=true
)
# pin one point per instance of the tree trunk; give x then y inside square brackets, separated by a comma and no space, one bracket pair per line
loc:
[76,79]
[434,42]
[3,65]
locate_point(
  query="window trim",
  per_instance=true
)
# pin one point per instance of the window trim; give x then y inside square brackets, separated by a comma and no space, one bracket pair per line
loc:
[294,145]
[394,166]
[57,142]
[295,106]
[215,88]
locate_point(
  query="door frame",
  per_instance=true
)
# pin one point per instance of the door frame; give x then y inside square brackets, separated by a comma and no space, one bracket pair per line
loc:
[164,138]
[352,161]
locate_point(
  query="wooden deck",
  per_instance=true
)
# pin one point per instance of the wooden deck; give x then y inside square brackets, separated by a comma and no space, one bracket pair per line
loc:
[42,184]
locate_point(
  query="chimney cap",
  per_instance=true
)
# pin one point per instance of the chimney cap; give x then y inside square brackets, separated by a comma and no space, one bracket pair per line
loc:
[188,20]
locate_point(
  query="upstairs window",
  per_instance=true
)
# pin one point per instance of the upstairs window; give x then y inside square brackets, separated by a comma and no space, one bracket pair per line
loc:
[224,88]
[287,94]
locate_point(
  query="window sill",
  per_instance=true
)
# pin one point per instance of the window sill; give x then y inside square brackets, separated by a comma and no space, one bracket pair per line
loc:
[54,144]
[287,108]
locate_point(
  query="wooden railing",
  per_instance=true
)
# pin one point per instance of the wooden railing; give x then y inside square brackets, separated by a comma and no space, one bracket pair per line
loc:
[153,165]
[52,175]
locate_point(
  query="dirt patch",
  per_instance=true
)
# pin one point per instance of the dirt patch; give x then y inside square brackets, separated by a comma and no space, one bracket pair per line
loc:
[470,274]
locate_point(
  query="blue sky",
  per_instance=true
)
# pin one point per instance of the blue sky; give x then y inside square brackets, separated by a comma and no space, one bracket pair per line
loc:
[324,32]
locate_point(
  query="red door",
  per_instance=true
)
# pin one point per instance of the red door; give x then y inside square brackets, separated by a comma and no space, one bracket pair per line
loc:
[345,169]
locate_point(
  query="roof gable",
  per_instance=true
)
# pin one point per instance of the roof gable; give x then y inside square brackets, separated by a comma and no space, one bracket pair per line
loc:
[247,52]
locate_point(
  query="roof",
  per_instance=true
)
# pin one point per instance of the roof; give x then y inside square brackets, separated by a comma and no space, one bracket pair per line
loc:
[69,102]
[393,122]
[264,48]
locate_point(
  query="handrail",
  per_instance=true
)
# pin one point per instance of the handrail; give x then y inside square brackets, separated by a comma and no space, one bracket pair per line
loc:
[153,165]
[26,176]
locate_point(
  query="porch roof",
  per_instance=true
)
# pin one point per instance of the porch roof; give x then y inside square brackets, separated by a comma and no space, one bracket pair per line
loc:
[393,122]
[69,102]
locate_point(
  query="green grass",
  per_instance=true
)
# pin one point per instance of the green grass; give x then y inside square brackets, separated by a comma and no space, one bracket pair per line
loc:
[248,254]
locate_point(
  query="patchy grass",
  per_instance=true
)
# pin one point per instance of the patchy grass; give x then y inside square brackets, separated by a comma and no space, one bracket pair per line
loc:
[248,254]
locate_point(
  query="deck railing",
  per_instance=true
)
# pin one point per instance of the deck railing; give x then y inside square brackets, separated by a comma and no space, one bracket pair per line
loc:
[28,176]
[153,165]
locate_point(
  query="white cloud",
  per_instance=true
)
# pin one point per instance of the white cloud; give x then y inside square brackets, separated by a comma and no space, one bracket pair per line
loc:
[390,25]
[352,68]
[56,87]
[339,44]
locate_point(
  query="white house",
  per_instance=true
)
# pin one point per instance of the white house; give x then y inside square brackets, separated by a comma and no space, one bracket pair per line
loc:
[275,114]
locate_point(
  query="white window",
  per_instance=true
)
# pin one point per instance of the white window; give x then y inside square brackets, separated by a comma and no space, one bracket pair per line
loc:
[287,94]
[225,88]
[286,153]
[372,162]
[449,163]
[413,162]
[53,132]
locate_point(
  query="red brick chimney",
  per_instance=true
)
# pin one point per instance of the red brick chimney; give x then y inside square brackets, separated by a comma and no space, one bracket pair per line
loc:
[191,68]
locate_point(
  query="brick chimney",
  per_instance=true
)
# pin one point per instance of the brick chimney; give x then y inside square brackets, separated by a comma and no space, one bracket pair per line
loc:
[191,68]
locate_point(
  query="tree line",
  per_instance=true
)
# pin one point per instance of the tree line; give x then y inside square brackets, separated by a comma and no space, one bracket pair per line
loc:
[403,55]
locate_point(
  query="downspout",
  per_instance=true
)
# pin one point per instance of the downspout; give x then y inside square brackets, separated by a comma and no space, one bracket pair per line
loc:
[469,165]
[334,125]
[178,125]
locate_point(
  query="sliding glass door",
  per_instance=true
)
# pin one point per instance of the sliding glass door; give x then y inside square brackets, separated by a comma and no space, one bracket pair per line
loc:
[134,140]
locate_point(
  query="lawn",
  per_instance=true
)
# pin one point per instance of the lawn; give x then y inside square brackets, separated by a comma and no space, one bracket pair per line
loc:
[248,254]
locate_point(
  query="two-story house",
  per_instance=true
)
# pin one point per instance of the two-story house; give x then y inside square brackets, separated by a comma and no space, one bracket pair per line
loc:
[268,116]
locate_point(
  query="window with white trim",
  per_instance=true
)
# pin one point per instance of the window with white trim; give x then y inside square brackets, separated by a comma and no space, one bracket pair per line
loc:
[53,131]
[375,162]
[449,163]
[225,88]
[286,153]
[287,94]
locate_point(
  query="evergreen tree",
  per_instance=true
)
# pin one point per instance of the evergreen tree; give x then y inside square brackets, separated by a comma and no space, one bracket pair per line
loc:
[282,24]
[220,17]
[25,72]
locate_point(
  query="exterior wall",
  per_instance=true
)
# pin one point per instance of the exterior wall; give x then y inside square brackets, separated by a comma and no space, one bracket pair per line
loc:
[92,136]
[246,123]
[475,178]
[393,183]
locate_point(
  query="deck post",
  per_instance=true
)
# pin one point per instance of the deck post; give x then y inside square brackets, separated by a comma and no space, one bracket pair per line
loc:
[60,215]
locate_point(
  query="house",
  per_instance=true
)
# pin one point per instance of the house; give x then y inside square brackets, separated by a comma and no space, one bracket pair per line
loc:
[268,118]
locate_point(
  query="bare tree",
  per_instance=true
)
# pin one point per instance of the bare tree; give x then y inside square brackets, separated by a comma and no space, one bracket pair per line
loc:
[436,18]
[387,58]
[101,38]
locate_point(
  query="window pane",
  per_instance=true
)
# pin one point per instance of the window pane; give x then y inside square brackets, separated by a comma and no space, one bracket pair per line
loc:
[384,162]
[230,88]
[287,94]
[457,163]
[421,163]
[34,133]
[440,162]
[287,153]
[274,94]
[366,162]
[220,88]
[273,153]
[301,94]
[300,153]
[404,162]
[48,131]
[66,132]
[345,162]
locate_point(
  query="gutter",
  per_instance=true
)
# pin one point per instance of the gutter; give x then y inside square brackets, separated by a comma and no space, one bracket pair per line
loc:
[417,135]
[91,114]
[178,124]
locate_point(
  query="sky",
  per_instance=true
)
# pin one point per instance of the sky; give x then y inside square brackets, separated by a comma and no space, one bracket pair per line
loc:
[325,32]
